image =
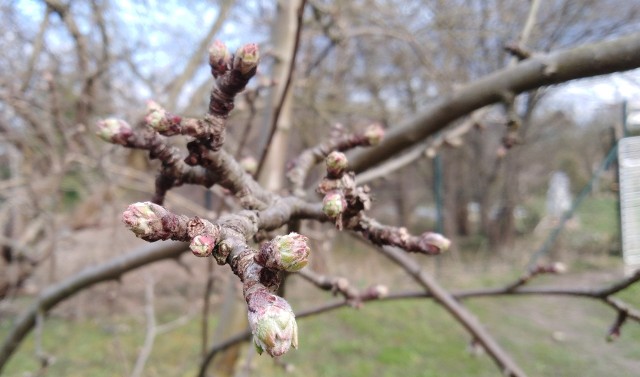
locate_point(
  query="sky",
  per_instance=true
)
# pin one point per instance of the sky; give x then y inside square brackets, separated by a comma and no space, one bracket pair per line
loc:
[581,98]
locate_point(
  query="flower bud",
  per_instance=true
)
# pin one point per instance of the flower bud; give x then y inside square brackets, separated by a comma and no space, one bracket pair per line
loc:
[143,219]
[114,130]
[558,268]
[202,245]
[379,291]
[336,164]
[374,134]
[249,165]
[286,253]
[246,58]
[293,250]
[219,58]
[273,325]
[161,120]
[434,243]
[333,204]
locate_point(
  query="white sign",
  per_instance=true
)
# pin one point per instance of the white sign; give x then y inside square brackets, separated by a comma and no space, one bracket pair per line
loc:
[629,163]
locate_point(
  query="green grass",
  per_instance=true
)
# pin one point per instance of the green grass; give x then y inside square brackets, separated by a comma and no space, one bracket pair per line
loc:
[409,338]
[83,348]
[400,338]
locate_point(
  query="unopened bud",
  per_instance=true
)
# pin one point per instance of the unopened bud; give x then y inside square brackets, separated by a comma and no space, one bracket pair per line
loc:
[333,204]
[246,58]
[336,164]
[286,253]
[202,245]
[374,134]
[379,291]
[341,284]
[249,165]
[161,120]
[114,130]
[219,58]
[273,325]
[434,243]
[143,219]
[558,268]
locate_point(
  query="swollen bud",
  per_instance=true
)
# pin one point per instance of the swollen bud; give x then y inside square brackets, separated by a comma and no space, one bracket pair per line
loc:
[246,59]
[114,130]
[336,164]
[285,253]
[434,243]
[143,219]
[374,134]
[273,325]
[202,245]
[333,204]
[558,268]
[249,165]
[379,291]
[219,58]
[160,120]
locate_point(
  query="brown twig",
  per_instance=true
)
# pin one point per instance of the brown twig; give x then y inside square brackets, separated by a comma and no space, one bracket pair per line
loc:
[541,70]
[458,295]
[457,310]
[301,166]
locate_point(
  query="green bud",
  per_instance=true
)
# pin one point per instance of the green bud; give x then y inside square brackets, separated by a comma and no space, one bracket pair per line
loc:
[336,164]
[246,58]
[161,120]
[273,325]
[291,252]
[333,204]
[114,130]
[143,219]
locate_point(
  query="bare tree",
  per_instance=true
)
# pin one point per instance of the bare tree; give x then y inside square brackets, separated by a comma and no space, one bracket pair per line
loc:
[416,90]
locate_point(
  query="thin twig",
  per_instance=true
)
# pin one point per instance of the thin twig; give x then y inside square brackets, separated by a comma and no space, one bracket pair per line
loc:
[459,312]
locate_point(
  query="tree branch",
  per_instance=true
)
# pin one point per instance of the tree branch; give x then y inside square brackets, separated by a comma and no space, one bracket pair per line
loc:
[459,295]
[588,60]
[57,293]
[457,311]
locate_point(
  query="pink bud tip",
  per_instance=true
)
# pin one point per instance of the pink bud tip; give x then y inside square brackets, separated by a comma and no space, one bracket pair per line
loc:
[336,164]
[219,58]
[247,58]
[202,245]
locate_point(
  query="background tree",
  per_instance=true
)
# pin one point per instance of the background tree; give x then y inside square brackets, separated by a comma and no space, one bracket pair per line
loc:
[328,71]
